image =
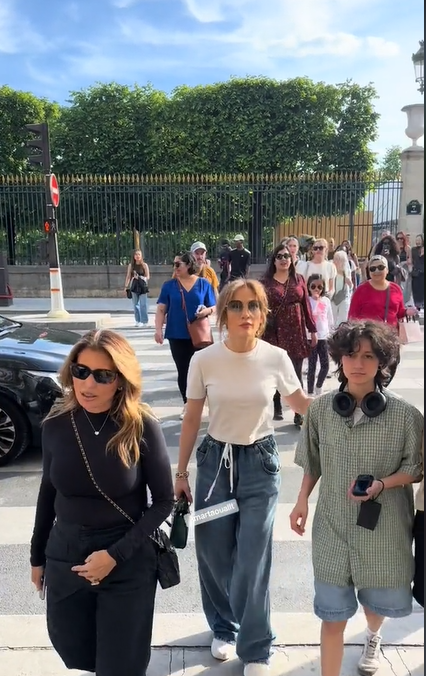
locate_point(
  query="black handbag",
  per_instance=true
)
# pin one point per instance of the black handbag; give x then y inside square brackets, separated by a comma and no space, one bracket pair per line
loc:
[179,529]
[168,572]
[139,286]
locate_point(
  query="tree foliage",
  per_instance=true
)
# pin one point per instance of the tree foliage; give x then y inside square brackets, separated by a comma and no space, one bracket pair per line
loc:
[16,110]
[242,125]
[390,166]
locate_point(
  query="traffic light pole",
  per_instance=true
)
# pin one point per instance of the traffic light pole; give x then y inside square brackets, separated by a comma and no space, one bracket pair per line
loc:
[57,306]
[40,156]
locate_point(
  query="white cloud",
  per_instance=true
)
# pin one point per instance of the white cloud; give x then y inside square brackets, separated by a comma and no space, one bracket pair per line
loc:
[16,34]
[288,29]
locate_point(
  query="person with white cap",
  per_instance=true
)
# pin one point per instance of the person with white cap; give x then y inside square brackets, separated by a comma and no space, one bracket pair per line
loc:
[239,259]
[199,251]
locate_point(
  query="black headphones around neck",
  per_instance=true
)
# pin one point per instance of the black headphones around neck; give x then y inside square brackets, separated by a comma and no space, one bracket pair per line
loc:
[372,405]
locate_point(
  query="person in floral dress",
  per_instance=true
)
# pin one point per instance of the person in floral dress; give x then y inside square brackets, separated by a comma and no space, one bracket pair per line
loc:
[290,315]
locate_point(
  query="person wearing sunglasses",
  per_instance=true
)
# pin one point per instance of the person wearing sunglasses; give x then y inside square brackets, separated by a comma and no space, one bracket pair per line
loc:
[237,463]
[319,265]
[185,297]
[91,545]
[290,317]
[380,299]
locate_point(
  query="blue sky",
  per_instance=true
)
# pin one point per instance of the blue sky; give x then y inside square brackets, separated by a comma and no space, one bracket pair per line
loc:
[50,48]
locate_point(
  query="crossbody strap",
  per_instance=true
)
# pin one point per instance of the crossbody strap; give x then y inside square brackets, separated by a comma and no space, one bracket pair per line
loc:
[95,483]
[183,300]
[283,298]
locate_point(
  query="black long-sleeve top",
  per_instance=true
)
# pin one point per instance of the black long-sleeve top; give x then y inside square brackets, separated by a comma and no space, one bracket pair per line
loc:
[68,494]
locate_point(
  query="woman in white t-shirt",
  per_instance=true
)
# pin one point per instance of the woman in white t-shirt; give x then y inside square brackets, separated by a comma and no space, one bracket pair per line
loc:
[238,468]
[319,265]
[343,286]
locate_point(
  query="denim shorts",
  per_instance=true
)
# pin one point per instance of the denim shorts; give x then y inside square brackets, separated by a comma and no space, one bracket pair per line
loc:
[339,604]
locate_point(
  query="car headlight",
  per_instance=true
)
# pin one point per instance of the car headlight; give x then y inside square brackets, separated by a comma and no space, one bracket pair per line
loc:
[54,377]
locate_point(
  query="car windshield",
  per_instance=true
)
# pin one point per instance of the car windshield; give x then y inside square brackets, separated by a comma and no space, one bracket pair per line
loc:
[7,324]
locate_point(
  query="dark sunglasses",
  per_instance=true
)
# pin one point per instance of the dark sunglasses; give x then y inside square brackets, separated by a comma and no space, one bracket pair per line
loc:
[238,306]
[399,239]
[318,248]
[177,264]
[283,257]
[101,376]
[374,268]
[316,286]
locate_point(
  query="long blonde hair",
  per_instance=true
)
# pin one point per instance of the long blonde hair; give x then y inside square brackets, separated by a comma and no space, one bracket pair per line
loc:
[127,410]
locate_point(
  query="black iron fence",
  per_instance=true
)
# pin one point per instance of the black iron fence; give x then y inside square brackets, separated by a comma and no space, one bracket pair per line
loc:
[101,217]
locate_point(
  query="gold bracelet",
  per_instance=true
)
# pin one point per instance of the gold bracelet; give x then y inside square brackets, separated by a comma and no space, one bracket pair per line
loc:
[181,475]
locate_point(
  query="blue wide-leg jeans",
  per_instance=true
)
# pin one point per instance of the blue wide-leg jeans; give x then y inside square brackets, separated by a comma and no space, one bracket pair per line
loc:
[234,551]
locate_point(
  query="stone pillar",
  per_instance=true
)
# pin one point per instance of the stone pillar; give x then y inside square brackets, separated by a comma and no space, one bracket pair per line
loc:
[411,209]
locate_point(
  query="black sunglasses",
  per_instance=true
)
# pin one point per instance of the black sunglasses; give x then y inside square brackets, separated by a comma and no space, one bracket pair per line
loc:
[101,376]
[318,248]
[316,286]
[177,264]
[373,268]
[283,257]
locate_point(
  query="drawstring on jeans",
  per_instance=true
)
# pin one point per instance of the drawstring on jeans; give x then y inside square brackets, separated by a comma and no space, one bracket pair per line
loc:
[227,458]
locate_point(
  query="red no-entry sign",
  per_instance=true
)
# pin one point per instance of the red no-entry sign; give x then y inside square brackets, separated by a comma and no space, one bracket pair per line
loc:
[54,190]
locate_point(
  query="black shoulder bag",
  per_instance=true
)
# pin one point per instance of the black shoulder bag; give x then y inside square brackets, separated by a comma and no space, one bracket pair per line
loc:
[168,572]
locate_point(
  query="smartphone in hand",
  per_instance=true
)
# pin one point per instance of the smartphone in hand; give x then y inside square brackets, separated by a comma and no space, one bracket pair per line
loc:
[362,483]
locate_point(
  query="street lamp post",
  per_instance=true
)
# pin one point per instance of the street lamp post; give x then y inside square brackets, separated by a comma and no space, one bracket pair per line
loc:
[419,63]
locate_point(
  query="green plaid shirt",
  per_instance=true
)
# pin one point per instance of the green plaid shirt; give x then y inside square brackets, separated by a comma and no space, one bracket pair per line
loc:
[335,450]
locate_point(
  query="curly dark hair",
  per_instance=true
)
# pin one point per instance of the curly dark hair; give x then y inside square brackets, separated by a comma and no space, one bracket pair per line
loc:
[393,245]
[384,344]
[270,270]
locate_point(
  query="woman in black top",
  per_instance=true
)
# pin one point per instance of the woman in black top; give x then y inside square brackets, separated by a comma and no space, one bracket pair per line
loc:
[100,569]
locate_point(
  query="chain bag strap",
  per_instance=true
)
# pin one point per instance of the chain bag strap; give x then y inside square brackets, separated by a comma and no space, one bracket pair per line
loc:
[168,571]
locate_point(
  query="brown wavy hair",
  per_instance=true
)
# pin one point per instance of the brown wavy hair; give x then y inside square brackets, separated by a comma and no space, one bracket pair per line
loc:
[127,411]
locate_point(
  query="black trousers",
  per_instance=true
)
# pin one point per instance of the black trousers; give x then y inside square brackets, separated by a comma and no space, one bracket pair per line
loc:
[106,628]
[182,351]
[298,367]
[320,351]
[419,553]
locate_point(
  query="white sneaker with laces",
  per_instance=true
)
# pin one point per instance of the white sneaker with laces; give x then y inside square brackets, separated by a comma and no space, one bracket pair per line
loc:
[256,669]
[370,658]
[221,650]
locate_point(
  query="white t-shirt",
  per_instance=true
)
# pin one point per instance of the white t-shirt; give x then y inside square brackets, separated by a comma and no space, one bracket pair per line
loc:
[326,269]
[240,388]
[323,316]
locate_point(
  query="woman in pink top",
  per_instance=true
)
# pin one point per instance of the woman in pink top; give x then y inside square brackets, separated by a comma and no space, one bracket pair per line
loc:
[379,299]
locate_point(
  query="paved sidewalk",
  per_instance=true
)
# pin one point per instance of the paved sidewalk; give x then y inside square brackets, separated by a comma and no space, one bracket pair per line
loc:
[301,661]
[75,305]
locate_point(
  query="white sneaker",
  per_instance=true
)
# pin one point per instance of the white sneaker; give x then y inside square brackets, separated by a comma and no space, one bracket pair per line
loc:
[182,415]
[256,669]
[370,658]
[221,650]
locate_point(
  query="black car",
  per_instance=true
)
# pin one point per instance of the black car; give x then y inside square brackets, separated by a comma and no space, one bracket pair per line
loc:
[30,358]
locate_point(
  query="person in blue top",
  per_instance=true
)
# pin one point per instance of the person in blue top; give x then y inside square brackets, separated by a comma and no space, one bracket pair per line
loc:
[197,292]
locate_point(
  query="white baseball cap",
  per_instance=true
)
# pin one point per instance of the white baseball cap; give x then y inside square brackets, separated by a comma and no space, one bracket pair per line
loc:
[238,238]
[198,245]
[378,258]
